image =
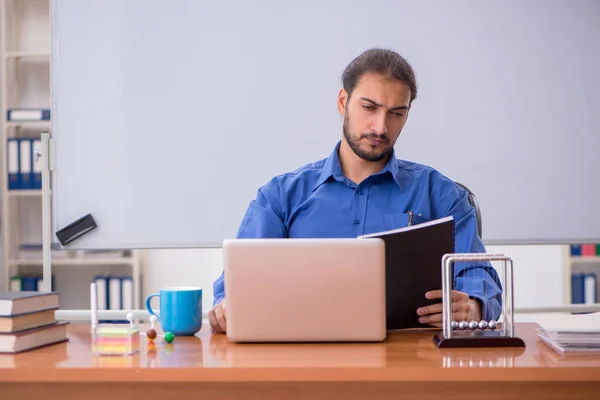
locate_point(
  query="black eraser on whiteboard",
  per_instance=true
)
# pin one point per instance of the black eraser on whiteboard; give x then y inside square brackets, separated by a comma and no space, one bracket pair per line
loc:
[76,229]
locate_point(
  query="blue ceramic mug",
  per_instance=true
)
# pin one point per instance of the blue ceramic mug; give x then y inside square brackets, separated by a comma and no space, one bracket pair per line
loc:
[180,309]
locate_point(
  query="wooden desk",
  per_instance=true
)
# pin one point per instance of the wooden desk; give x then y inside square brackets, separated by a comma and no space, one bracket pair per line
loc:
[407,363]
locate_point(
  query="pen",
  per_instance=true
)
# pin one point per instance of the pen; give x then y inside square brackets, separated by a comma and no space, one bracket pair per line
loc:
[410,215]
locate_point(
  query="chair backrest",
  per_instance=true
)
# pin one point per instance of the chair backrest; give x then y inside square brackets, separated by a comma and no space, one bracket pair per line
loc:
[475,204]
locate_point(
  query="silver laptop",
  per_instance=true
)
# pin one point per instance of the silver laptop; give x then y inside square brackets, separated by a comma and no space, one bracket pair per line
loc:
[305,290]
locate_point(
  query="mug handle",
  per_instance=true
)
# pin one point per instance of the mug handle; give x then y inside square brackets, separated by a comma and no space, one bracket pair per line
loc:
[149,307]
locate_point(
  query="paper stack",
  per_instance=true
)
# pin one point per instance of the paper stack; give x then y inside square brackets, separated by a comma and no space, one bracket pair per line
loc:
[570,333]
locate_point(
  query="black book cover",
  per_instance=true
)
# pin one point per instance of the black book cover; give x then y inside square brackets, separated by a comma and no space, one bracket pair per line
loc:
[413,266]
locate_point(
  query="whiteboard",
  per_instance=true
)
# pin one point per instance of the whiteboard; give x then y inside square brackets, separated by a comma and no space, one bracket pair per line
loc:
[168,116]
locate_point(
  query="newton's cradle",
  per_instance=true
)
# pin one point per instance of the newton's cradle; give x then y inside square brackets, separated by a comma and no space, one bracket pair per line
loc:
[473,333]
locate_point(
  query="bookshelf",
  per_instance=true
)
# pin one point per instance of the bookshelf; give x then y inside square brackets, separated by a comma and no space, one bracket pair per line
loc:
[583,260]
[25,84]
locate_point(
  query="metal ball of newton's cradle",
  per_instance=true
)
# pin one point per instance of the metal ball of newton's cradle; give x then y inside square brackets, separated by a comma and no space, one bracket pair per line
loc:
[473,325]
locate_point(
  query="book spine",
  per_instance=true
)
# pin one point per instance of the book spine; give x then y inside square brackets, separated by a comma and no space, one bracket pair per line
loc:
[577,288]
[588,249]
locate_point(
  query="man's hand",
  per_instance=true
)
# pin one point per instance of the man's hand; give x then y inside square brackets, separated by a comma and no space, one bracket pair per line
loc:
[463,309]
[216,318]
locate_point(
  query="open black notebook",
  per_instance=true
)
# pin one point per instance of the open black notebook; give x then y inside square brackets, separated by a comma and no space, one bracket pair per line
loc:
[413,266]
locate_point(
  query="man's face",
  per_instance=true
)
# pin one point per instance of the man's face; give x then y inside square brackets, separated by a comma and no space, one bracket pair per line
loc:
[374,116]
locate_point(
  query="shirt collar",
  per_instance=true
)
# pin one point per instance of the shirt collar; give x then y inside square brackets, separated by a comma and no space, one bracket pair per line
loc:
[333,168]
[392,168]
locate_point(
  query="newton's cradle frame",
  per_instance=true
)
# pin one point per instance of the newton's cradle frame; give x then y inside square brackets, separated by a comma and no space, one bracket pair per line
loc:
[478,333]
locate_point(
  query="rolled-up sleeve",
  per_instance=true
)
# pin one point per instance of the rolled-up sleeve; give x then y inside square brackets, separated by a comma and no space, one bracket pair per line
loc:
[478,279]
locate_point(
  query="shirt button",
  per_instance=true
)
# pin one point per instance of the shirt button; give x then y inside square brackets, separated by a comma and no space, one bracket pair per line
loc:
[356,222]
[361,192]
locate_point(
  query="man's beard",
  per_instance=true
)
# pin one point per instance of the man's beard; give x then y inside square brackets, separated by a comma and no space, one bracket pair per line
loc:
[354,143]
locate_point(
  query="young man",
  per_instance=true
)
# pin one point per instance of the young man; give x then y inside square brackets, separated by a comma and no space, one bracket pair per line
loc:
[362,188]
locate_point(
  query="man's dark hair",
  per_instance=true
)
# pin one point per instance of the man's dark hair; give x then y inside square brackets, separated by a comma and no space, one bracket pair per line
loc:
[382,61]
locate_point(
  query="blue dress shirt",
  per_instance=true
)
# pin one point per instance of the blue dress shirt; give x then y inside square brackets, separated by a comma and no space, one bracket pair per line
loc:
[318,201]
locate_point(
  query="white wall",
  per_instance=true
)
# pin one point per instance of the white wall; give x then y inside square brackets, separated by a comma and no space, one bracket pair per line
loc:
[179,267]
[538,276]
[538,272]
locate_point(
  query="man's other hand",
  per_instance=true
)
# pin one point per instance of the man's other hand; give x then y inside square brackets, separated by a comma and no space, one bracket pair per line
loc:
[216,318]
[463,309]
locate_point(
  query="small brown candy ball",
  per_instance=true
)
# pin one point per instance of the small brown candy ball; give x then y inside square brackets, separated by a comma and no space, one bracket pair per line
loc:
[151,334]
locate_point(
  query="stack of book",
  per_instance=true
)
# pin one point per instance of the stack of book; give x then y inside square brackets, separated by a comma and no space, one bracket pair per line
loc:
[570,333]
[27,321]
